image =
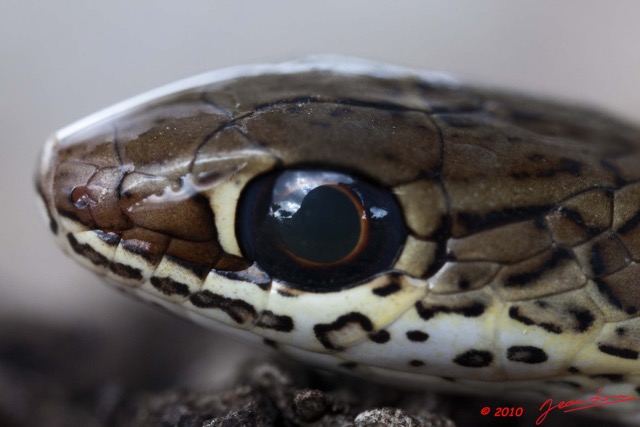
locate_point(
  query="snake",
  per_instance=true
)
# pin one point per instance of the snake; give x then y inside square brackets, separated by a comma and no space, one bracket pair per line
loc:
[377,221]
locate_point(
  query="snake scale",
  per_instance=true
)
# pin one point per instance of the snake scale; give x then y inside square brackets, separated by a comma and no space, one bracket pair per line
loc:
[364,218]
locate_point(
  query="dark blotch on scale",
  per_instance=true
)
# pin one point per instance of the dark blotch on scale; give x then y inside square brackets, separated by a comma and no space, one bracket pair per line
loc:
[323,331]
[417,336]
[474,359]
[87,251]
[240,311]
[380,337]
[514,313]
[270,320]
[126,271]
[168,286]
[471,310]
[623,353]
[554,260]
[584,318]
[526,354]
[387,290]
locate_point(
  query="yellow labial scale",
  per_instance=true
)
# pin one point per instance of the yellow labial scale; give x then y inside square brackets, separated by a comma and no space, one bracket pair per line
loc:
[236,290]
[168,270]
[308,310]
[424,205]
[125,257]
[417,255]
[71,226]
[90,239]
[223,199]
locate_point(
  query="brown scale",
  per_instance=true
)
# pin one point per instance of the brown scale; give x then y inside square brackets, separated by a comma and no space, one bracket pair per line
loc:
[94,145]
[148,244]
[167,147]
[532,239]
[581,127]
[602,256]
[510,174]
[223,154]
[68,195]
[617,293]
[459,277]
[244,96]
[626,218]
[551,272]
[311,134]
[581,217]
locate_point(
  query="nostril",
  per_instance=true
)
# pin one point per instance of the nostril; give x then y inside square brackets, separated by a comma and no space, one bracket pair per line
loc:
[81,198]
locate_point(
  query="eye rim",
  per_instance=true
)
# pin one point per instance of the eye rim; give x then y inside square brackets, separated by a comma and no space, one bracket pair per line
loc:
[363,187]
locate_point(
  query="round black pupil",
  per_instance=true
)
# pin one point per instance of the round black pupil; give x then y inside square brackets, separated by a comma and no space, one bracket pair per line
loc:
[325,229]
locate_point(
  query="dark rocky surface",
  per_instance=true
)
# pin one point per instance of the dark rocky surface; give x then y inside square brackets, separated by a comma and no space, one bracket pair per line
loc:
[55,376]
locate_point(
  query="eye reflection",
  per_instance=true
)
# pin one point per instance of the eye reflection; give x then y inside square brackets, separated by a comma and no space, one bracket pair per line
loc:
[325,228]
[319,230]
[294,186]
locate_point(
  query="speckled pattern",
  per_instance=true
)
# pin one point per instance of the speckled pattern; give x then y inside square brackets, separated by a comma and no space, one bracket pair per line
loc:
[524,231]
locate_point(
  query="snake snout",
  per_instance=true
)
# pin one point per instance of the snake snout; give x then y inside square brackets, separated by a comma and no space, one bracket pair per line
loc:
[43,184]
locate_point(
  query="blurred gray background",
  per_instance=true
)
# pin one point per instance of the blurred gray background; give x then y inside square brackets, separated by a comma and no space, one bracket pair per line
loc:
[60,61]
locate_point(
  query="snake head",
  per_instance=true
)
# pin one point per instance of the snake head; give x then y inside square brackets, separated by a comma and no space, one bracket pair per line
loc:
[247,200]
[366,218]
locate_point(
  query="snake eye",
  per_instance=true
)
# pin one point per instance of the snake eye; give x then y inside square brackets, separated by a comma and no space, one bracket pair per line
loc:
[320,231]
